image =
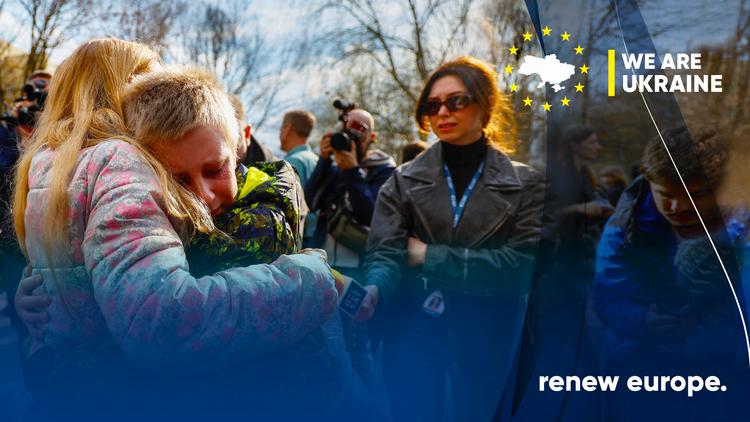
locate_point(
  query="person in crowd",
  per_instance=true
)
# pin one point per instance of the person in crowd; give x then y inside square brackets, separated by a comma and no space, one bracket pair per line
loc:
[661,284]
[249,149]
[578,204]
[296,127]
[14,136]
[412,149]
[261,220]
[344,194]
[121,293]
[40,79]
[26,109]
[451,253]
[613,182]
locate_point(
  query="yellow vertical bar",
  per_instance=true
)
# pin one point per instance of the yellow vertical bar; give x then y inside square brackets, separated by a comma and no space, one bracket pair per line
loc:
[611,73]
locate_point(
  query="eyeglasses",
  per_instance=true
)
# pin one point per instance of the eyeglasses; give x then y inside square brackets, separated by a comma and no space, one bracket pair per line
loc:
[454,103]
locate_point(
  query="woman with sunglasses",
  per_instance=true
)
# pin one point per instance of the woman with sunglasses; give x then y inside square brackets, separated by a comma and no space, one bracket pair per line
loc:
[451,251]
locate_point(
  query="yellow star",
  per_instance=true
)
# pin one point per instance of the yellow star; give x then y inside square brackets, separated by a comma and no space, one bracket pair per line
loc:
[513,50]
[527,102]
[579,87]
[513,88]
[565,101]
[579,50]
[546,106]
[508,69]
[565,36]
[546,31]
[584,69]
[526,36]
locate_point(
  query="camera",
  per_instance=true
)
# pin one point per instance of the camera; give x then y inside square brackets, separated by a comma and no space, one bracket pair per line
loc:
[27,115]
[342,141]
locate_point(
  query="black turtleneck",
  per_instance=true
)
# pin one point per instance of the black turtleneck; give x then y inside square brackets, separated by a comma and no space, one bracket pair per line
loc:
[463,161]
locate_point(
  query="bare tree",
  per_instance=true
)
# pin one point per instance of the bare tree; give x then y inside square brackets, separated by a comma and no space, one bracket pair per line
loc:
[7,66]
[405,49]
[228,40]
[393,45]
[147,21]
[50,23]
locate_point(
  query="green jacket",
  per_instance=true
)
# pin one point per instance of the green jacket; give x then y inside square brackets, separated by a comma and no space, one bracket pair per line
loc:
[262,224]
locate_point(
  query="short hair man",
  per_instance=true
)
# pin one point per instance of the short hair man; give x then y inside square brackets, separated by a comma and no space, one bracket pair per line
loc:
[646,293]
[296,127]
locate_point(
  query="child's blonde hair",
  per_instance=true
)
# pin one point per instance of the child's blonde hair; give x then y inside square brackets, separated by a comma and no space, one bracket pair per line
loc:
[84,108]
[163,106]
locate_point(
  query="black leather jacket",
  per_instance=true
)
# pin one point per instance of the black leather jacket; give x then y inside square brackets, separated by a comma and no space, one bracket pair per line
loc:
[492,250]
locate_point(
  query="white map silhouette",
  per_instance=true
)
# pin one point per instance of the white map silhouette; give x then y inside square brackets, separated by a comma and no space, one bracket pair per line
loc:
[550,70]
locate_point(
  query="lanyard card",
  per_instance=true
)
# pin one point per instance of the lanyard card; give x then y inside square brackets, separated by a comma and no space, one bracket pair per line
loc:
[351,300]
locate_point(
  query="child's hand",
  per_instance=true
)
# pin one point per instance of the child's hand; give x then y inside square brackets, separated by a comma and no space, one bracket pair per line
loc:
[31,308]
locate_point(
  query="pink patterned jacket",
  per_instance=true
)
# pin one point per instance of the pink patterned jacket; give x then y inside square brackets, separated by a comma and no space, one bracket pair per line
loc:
[124,276]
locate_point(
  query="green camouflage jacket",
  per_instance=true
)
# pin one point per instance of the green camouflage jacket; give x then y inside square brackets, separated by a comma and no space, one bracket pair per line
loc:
[262,224]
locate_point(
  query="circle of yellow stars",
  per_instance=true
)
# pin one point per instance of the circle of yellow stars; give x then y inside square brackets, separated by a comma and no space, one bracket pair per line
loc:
[547,32]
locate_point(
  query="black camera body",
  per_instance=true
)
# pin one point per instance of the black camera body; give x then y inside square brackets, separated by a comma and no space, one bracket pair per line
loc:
[26,116]
[342,140]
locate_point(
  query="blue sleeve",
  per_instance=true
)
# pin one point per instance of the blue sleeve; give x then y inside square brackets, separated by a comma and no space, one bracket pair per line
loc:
[363,194]
[619,299]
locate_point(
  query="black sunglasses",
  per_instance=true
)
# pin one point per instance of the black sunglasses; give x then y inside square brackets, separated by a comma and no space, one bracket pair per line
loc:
[454,103]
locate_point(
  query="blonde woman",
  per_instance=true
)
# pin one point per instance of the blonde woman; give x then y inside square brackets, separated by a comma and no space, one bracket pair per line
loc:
[94,213]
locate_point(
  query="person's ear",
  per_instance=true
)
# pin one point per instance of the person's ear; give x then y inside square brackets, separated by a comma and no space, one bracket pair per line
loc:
[373,137]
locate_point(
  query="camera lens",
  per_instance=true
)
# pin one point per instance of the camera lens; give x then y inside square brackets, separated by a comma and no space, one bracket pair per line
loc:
[341,141]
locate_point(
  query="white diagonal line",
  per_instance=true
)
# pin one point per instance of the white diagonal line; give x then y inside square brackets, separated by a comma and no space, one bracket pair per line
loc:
[703,224]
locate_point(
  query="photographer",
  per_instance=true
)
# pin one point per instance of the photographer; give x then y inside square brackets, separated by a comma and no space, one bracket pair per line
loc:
[345,194]
[26,109]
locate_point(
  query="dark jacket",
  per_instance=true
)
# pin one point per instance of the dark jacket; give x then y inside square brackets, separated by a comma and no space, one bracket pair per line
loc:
[634,262]
[491,252]
[357,188]
[257,152]
[640,263]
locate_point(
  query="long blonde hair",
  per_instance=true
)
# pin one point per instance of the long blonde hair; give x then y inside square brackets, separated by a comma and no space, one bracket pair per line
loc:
[84,108]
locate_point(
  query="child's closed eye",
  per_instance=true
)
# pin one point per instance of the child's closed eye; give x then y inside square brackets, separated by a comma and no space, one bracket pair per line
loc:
[217,169]
[182,180]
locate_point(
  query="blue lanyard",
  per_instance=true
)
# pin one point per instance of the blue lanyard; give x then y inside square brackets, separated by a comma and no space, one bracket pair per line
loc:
[458,208]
